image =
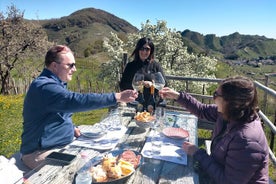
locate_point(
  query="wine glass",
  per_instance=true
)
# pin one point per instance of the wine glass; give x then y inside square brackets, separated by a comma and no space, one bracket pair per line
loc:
[158,80]
[115,119]
[137,82]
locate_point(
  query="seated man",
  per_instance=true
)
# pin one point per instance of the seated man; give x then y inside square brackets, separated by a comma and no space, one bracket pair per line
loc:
[48,107]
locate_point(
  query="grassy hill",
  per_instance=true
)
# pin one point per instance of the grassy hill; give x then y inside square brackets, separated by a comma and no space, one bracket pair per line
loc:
[234,46]
[85,29]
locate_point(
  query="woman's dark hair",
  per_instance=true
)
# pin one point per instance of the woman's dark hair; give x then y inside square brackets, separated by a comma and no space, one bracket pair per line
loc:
[241,99]
[54,52]
[140,44]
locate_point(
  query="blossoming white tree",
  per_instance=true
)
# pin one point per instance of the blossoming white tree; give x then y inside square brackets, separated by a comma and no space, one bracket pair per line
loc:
[170,51]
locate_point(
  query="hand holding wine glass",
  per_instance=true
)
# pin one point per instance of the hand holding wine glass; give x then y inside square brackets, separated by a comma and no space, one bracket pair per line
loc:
[158,80]
[137,82]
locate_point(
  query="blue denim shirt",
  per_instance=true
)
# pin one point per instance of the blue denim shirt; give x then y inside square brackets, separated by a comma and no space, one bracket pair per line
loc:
[48,109]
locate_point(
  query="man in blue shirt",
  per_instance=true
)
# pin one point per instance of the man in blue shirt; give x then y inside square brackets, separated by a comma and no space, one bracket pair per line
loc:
[49,106]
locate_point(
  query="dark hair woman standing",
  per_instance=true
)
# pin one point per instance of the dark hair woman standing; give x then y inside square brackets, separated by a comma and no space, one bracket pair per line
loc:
[144,63]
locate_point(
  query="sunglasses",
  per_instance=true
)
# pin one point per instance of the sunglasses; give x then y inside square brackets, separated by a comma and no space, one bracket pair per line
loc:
[71,65]
[145,49]
[216,94]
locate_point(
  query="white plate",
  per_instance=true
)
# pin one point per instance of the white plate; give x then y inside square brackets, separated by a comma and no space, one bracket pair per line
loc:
[107,141]
[175,133]
[94,133]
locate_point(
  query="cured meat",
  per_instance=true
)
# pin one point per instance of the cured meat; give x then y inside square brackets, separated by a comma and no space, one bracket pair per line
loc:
[131,157]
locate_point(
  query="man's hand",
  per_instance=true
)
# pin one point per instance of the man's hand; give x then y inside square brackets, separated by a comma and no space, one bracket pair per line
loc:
[126,96]
[77,132]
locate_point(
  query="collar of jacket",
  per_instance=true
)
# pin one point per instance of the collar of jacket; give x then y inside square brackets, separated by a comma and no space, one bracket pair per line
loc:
[143,62]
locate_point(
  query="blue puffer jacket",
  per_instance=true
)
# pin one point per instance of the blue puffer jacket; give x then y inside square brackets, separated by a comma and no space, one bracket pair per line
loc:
[47,112]
[240,155]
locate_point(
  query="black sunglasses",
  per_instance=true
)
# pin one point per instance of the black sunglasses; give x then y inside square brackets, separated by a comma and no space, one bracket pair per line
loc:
[145,49]
[216,94]
[71,65]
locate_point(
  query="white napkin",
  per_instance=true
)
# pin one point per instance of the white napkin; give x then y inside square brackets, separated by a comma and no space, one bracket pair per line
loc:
[170,150]
[9,173]
[106,142]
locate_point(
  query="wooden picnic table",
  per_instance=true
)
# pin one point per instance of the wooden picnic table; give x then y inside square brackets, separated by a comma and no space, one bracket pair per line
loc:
[151,170]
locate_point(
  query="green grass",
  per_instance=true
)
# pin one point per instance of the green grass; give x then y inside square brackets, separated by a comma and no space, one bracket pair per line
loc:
[11,122]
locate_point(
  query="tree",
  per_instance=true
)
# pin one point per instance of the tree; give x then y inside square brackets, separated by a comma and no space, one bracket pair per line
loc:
[20,40]
[170,51]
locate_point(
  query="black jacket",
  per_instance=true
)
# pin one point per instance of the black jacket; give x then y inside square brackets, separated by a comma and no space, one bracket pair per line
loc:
[147,68]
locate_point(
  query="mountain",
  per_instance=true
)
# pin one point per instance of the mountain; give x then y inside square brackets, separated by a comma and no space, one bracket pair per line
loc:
[232,47]
[84,30]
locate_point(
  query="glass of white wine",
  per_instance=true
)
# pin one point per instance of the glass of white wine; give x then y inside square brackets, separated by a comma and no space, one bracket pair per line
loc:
[158,80]
[137,82]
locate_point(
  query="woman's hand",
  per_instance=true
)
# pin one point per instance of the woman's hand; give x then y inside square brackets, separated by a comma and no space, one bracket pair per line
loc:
[169,93]
[189,148]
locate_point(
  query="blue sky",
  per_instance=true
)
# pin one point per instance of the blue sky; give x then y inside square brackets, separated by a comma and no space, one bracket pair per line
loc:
[220,17]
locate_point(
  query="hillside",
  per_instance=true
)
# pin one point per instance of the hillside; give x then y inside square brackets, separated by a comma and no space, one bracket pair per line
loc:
[84,30]
[232,47]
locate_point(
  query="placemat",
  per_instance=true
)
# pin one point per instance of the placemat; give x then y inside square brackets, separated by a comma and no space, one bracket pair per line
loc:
[106,142]
[170,149]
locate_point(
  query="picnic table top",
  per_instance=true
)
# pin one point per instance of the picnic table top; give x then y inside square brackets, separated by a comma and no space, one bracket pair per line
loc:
[134,138]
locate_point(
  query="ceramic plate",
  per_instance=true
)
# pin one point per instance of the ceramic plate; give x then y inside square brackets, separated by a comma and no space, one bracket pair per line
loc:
[175,133]
[94,133]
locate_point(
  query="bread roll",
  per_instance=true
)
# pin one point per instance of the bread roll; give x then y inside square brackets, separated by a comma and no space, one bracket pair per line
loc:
[99,174]
[115,172]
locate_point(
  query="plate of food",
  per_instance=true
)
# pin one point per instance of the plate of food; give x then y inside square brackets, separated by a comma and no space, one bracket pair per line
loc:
[116,167]
[175,133]
[144,119]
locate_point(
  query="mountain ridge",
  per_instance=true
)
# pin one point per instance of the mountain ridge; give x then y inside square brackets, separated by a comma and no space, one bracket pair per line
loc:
[84,30]
[234,46]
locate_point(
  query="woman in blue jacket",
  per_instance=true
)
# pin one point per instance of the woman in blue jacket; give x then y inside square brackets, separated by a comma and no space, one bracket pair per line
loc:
[239,150]
[49,106]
